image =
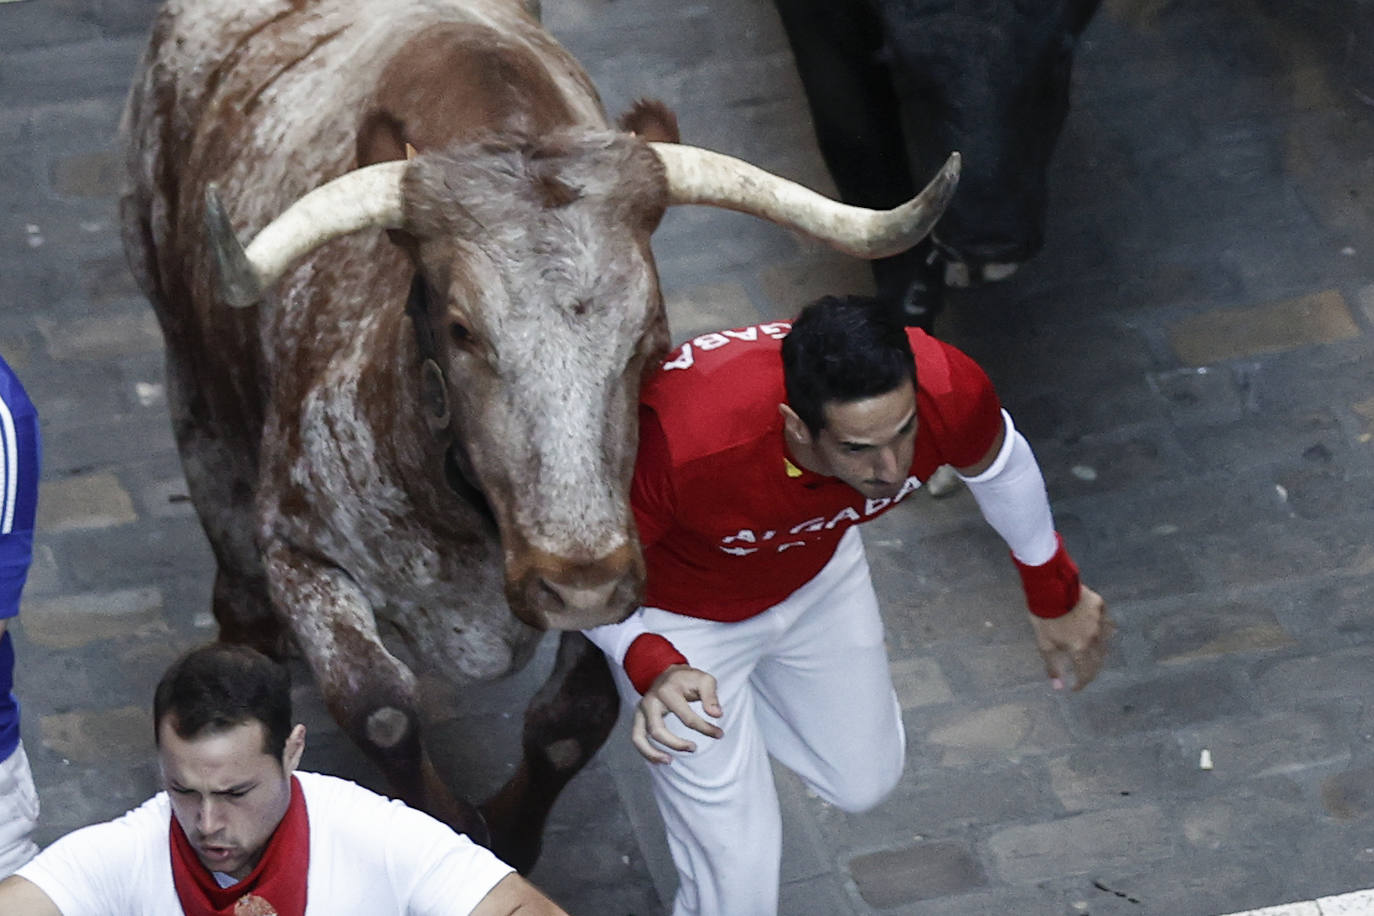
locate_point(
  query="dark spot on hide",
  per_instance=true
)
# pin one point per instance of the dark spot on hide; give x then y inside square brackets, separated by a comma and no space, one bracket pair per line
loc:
[553,192]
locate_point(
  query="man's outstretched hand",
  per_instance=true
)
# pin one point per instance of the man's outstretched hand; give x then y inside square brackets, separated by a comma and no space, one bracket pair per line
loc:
[1078,640]
[673,691]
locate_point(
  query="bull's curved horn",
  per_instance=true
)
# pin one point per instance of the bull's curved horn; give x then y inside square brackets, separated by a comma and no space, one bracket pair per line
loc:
[698,176]
[364,198]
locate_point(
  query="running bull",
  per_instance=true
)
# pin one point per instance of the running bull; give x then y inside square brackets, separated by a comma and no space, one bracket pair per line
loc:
[893,84]
[407,407]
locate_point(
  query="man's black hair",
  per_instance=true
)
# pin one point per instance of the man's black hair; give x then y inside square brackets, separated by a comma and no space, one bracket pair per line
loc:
[220,686]
[843,349]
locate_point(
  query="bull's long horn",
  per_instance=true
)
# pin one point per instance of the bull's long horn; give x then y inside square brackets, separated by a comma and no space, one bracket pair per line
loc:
[361,199]
[698,176]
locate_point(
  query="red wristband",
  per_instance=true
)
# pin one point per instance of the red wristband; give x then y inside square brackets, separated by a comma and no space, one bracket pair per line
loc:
[649,656]
[1052,588]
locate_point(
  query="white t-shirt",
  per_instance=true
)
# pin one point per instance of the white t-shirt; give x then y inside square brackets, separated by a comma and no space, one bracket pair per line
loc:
[369,856]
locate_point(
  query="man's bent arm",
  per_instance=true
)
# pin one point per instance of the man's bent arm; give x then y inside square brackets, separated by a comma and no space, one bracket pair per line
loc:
[1010,492]
[21,897]
[512,896]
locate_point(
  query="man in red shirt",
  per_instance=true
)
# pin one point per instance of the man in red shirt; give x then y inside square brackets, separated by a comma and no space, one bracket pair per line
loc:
[761,449]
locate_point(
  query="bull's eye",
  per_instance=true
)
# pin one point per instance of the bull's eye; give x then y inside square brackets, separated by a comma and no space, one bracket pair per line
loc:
[459,332]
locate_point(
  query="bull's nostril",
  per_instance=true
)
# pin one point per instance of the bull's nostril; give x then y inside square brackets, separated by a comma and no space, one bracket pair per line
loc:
[582,598]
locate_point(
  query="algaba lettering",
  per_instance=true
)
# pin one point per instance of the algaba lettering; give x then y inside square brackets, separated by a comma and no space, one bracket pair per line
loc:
[685,357]
[745,541]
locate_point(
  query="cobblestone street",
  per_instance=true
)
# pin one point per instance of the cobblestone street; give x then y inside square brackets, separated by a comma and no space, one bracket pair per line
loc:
[1192,357]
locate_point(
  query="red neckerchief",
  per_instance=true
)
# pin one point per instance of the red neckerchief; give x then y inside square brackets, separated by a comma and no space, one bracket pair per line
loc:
[276,887]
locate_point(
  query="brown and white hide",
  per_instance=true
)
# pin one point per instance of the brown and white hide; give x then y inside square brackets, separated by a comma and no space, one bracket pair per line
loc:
[342,481]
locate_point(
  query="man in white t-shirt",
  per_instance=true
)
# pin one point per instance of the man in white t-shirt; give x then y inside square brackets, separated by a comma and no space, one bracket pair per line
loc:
[238,832]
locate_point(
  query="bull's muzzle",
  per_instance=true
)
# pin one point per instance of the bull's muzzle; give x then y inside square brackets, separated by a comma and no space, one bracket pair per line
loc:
[557,594]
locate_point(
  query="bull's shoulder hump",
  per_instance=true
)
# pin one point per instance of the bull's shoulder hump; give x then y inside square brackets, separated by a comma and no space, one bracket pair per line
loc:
[519,89]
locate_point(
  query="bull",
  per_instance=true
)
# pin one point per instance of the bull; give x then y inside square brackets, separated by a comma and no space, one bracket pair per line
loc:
[406,409]
[892,83]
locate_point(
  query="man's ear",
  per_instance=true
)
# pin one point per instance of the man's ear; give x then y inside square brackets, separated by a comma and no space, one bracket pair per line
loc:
[295,747]
[796,429]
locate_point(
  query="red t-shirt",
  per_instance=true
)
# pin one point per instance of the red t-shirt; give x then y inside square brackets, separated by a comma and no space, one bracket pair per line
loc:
[729,527]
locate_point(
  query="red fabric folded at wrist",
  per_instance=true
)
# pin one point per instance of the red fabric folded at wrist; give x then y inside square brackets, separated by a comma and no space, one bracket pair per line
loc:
[649,656]
[1052,588]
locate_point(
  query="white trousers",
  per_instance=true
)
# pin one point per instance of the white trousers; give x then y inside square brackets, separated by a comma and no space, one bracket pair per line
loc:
[806,681]
[18,812]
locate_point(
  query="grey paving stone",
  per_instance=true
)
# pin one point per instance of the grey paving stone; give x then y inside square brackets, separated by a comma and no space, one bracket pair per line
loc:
[1340,603]
[60,22]
[818,896]
[1213,337]
[1234,627]
[999,899]
[893,877]
[1030,723]
[70,392]
[1201,883]
[95,175]
[1094,463]
[1252,442]
[1083,844]
[1350,794]
[932,612]
[1107,774]
[1161,701]
[1333,674]
[919,682]
[69,72]
[804,853]
[1252,820]
[135,553]
[1304,741]
[103,337]
[88,501]
[74,620]
[98,736]
[167,498]
[45,577]
[1205,394]
[104,443]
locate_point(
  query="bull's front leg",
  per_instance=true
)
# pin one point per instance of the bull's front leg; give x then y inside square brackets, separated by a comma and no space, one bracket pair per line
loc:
[370,693]
[567,721]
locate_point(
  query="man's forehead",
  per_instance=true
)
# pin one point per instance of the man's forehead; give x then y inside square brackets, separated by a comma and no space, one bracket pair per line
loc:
[241,744]
[872,419]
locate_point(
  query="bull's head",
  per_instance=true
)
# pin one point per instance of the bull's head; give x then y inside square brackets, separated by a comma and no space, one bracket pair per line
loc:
[989,78]
[537,291]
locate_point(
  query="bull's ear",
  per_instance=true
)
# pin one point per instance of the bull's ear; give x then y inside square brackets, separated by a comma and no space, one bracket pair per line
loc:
[381,138]
[651,121]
